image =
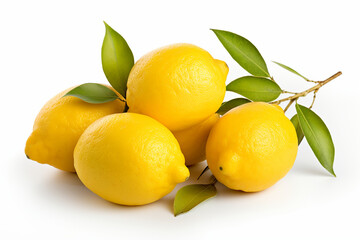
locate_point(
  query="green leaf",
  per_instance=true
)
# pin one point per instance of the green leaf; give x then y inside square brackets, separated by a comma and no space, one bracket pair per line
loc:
[93,93]
[318,136]
[291,70]
[117,60]
[255,88]
[191,195]
[227,106]
[299,132]
[243,52]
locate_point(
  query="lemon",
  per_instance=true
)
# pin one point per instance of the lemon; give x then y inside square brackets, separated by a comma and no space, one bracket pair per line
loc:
[129,159]
[59,125]
[179,85]
[193,140]
[278,107]
[252,147]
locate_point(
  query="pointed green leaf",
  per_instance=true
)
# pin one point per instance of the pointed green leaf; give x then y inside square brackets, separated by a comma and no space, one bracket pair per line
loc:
[93,93]
[255,88]
[243,52]
[227,106]
[117,60]
[318,136]
[191,195]
[299,132]
[291,70]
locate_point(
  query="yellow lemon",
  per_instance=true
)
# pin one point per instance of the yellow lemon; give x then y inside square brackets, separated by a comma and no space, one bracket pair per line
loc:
[129,159]
[278,107]
[252,147]
[179,85]
[193,140]
[59,125]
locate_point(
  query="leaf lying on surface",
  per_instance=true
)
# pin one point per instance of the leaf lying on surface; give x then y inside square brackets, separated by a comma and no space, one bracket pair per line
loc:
[191,195]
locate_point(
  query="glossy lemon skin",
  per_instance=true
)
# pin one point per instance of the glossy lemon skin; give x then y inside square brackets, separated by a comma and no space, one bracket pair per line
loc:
[252,147]
[193,140]
[179,85]
[129,159]
[59,125]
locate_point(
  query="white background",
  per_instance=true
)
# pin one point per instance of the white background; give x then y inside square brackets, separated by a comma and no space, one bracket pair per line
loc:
[46,47]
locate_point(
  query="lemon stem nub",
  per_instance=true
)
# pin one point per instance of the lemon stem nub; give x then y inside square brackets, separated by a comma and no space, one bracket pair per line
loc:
[181,174]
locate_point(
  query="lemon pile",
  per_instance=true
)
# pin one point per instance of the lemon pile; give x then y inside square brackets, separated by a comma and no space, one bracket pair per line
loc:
[137,157]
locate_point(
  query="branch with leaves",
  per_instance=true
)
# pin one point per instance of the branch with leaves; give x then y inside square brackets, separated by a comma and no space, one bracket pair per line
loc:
[117,61]
[261,86]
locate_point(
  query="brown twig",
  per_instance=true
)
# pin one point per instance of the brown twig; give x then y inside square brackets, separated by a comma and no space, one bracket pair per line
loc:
[313,101]
[284,91]
[308,80]
[289,104]
[304,93]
